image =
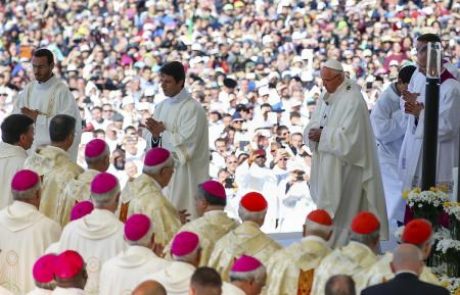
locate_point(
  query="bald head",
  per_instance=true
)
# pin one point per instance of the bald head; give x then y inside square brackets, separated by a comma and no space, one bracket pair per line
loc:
[340,285]
[150,288]
[407,257]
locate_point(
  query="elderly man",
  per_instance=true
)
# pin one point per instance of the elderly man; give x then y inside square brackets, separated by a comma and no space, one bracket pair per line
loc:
[147,198]
[180,125]
[97,236]
[356,258]
[213,222]
[21,221]
[345,174]
[70,274]
[17,137]
[247,277]
[97,157]
[43,273]
[46,97]
[247,238]
[291,270]
[124,272]
[185,252]
[54,164]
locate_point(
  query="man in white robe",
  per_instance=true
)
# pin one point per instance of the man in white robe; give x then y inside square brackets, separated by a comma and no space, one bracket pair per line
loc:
[389,125]
[121,274]
[25,233]
[205,280]
[247,276]
[99,235]
[46,97]
[180,125]
[345,173]
[185,252]
[17,137]
[70,274]
[54,165]
[97,157]
[410,161]
[43,272]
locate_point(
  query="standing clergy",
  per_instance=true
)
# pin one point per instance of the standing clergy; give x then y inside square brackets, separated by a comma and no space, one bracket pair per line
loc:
[97,156]
[247,238]
[417,232]
[247,276]
[345,174]
[185,252]
[25,233]
[17,137]
[389,125]
[213,222]
[291,270]
[147,198]
[121,274]
[70,274]
[410,161]
[354,259]
[53,163]
[97,236]
[180,125]
[46,97]
[43,273]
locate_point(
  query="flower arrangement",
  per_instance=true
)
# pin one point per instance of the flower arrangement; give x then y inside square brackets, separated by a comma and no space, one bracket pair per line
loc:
[450,250]
[426,204]
[453,210]
[452,284]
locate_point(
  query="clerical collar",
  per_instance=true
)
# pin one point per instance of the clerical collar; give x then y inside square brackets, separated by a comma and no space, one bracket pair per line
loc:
[47,81]
[179,95]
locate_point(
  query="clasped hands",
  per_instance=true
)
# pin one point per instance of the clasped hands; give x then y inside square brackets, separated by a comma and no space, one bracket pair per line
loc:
[155,127]
[314,134]
[411,105]
[33,114]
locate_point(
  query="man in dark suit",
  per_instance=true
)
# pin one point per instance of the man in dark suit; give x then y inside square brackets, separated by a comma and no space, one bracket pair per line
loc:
[407,265]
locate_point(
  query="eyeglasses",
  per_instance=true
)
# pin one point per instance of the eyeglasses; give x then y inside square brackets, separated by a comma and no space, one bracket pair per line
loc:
[285,133]
[232,162]
[3,94]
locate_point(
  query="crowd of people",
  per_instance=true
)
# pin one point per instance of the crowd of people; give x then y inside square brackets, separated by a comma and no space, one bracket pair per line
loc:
[135,105]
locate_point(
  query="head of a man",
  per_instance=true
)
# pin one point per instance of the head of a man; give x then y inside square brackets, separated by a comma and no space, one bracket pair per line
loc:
[18,129]
[97,155]
[172,78]
[407,257]
[26,187]
[150,288]
[260,157]
[231,163]
[205,281]
[422,49]
[185,247]
[404,76]
[340,285]
[43,64]
[248,274]
[365,229]
[70,270]
[159,164]
[419,232]
[139,231]
[43,272]
[105,191]
[318,223]
[62,131]
[253,207]
[210,196]
[332,75]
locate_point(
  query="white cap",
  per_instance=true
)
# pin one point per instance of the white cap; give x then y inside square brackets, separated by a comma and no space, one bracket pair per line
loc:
[334,65]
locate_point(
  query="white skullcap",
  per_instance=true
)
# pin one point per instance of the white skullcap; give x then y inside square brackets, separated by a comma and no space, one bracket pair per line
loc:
[334,65]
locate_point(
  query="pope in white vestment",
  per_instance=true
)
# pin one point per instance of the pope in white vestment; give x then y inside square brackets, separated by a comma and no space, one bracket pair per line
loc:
[345,173]
[49,98]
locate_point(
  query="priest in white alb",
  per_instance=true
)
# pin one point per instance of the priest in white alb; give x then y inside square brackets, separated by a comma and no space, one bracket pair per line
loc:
[185,252]
[247,276]
[97,157]
[97,236]
[46,97]
[43,272]
[17,138]
[180,125]
[345,173]
[25,233]
[291,270]
[144,195]
[213,222]
[54,164]
[122,273]
[247,238]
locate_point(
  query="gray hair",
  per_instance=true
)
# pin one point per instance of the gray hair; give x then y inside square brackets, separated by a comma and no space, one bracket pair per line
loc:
[317,229]
[93,160]
[246,215]
[368,239]
[189,258]
[257,275]
[101,200]
[27,194]
[144,241]
[153,170]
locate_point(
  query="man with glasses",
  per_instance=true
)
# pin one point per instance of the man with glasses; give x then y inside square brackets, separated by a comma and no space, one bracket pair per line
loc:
[44,98]
[345,175]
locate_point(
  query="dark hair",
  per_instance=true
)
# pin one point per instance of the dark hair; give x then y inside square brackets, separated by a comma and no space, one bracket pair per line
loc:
[61,127]
[206,277]
[340,285]
[429,38]
[14,126]
[96,108]
[174,69]
[45,52]
[211,199]
[405,73]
